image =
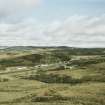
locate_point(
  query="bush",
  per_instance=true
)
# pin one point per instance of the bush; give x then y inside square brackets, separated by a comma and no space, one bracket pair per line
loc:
[54,78]
[4,79]
[49,98]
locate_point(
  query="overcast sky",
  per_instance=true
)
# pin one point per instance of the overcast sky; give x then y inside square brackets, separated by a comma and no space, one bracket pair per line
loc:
[74,23]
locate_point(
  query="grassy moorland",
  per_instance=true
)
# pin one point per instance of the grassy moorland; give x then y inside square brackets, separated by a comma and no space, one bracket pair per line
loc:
[52,76]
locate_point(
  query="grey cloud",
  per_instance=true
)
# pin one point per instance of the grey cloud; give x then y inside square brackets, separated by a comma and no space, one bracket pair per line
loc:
[77,31]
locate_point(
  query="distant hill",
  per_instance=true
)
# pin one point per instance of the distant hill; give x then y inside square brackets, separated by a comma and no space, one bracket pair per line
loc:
[44,55]
[33,59]
[3,47]
[56,49]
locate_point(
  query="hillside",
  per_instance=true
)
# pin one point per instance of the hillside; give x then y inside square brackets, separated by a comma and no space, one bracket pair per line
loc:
[52,76]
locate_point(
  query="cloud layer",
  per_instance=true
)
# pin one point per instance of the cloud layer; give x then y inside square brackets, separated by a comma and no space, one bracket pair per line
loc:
[13,7]
[77,31]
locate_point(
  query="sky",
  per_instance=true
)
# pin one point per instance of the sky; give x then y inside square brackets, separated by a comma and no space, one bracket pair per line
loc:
[74,23]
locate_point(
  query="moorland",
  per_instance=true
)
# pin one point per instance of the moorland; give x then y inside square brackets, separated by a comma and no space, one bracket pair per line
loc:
[52,76]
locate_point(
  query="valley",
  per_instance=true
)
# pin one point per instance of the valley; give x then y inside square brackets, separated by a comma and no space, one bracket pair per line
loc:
[52,76]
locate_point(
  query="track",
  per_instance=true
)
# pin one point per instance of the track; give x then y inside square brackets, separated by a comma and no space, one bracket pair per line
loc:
[4,73]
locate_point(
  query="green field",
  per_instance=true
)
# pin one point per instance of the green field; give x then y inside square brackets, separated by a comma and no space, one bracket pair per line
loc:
[52,76]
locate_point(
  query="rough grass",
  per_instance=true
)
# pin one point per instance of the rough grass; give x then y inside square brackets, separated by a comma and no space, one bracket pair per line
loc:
[31,88]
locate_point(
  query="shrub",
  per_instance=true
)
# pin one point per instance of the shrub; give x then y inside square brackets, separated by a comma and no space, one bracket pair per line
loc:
[55,78]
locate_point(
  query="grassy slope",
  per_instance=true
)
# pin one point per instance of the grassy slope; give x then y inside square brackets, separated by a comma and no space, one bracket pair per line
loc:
[18,91]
